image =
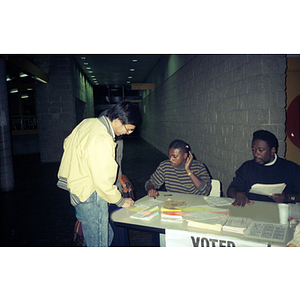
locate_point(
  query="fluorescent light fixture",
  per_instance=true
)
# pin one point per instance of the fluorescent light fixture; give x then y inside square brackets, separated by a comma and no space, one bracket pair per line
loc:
[88,68]
[12,91]
[90,71]
[134,60]
[129,77]
[40,79]
[128,82]
[8,78]
[83,57]
[22,75]
[132,70]
[85,63]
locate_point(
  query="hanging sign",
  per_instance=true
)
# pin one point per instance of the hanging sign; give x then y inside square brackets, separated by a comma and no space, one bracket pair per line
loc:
[143,86]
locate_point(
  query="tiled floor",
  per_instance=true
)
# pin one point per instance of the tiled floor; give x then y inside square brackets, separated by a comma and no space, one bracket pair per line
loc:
[38,214]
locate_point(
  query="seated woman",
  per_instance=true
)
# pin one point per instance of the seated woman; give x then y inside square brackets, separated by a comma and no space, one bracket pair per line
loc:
[180,174]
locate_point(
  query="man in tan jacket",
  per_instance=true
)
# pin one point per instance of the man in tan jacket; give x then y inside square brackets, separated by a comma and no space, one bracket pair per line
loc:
[88,170]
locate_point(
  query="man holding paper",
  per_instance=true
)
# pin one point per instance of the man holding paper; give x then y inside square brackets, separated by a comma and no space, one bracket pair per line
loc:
[267,177]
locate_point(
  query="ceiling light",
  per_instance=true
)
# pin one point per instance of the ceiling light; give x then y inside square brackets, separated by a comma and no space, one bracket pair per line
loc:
[24,96]
[83,57]
[12,91]
[90,71]
[88,68]
[131,70]
[128,82]
[85,63]
[134,60]
[23,75]
[40,79]
[129,77]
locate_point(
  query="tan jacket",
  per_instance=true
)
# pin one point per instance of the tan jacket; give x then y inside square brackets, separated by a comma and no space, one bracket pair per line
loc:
[296,239]
[88,163]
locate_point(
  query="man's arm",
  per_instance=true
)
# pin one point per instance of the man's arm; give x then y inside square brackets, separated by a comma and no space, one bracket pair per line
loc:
[152,192]
[285,198]
[240,198]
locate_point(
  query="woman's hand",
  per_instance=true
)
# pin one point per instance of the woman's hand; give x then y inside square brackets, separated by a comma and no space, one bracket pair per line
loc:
[188,162]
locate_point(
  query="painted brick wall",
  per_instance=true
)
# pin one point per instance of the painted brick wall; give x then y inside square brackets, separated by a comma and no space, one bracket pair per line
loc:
[215,102]
[56,103]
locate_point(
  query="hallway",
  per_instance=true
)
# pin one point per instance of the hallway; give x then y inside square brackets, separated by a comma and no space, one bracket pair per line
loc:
[39,214]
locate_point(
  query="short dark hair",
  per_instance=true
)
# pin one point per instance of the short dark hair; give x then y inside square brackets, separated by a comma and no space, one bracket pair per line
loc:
[127,112]
[266,136]
[181,145]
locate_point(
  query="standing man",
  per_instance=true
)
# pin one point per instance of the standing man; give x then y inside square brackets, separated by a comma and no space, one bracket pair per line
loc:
[265,168]
[88,170]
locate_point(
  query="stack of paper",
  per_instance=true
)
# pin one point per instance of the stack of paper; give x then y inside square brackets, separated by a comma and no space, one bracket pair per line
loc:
[236,224]
[173,204]
[171,215]
[146,214]
[267,189]
[218,201]
[206,220]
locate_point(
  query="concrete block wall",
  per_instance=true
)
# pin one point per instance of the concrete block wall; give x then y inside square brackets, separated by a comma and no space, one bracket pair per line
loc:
[56,109]
[215,103]
[83,90]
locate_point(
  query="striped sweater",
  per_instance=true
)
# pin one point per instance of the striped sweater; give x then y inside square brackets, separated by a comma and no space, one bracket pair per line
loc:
[177,180]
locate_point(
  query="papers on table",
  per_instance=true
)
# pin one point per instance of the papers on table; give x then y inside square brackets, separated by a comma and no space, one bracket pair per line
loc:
[170,204]
[147,203]
[218,201]
[263,230]
[236,224]
[204,208]
[146,214]
[267,189]
[206,220]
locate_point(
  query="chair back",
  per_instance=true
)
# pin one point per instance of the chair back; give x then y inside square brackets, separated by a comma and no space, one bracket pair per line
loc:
[215,188]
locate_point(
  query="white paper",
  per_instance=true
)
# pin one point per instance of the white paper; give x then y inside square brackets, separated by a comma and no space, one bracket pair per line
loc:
[266,231]
[218,201]
[148,203]
[267,189]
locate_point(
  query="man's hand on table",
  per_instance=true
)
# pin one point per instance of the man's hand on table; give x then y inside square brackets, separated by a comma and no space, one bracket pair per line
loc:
[240,198]
[128,203]
[153,193]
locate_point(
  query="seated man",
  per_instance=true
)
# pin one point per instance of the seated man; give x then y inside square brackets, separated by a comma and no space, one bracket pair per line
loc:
[180,173]
[265,168]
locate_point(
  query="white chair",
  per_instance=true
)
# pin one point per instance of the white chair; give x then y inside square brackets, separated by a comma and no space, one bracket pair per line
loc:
[215,188]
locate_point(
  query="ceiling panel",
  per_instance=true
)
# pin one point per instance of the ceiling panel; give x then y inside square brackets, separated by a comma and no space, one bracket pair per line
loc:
[114,69]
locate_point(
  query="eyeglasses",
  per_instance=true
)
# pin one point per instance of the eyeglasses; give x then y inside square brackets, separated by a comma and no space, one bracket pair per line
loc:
[128,130]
